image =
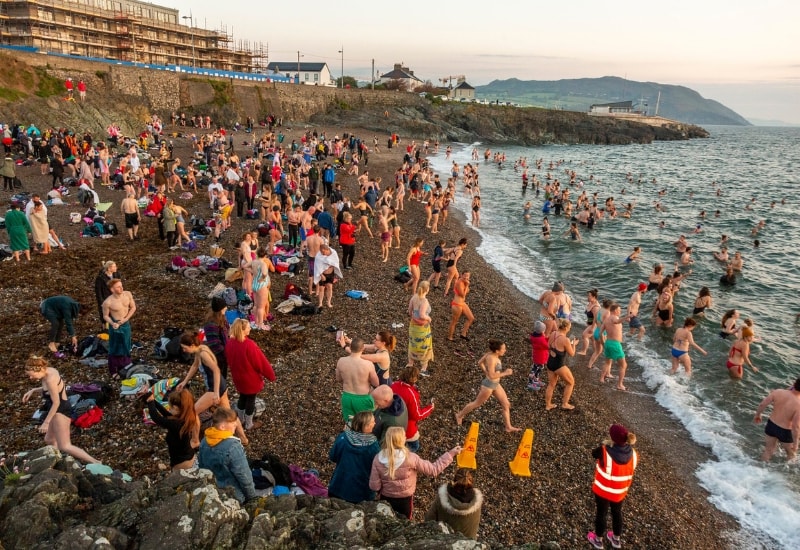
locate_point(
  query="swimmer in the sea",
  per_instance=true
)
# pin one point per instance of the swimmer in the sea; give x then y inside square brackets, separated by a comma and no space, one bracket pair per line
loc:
[637,250]
[722,255]
[702,302]
[680,347]
[740,354]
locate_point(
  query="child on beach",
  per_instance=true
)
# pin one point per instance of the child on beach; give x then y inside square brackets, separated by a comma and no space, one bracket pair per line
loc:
[616,462]
[539,354]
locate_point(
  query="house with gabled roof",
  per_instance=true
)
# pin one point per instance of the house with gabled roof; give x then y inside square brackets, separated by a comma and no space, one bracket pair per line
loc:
[403,74]
[315,74]
[463,91]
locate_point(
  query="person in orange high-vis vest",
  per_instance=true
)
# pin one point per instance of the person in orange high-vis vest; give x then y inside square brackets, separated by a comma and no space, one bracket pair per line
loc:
[613,474]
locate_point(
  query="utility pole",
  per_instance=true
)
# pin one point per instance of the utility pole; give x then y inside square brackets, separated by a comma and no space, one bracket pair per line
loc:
[341,84]
[372,75]
[298,66]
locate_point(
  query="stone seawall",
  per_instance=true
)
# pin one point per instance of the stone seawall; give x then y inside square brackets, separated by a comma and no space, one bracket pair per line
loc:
[166,91]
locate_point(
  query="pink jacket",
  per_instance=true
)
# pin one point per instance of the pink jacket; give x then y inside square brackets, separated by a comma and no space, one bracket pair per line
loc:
[405,476]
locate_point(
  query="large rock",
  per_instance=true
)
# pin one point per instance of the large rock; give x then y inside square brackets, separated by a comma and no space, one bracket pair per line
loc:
[57,505]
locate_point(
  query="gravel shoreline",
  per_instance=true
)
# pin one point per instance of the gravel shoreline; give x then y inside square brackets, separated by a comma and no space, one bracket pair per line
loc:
[666,508]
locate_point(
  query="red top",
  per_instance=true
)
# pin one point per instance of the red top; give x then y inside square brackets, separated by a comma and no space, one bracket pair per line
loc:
[540,349]
[81,86]
[346,231]
[415,257]
[410,396]
[248,365]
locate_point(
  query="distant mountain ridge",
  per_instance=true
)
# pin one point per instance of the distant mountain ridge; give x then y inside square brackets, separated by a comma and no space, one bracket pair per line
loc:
[677,102]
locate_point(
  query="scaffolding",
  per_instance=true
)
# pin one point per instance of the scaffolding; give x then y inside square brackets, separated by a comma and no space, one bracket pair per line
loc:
[133,31]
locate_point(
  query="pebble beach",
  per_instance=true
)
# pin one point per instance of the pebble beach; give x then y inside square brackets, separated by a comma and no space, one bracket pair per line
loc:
[666,507]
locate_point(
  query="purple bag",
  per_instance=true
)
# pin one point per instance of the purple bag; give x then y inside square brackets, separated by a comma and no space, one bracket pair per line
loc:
[308,482]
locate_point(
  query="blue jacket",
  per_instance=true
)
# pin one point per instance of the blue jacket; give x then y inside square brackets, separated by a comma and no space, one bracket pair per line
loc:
[353,453]
[224,455]
[328,175]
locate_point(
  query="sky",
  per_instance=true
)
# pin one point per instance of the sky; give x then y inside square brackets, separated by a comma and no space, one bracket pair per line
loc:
[744,54]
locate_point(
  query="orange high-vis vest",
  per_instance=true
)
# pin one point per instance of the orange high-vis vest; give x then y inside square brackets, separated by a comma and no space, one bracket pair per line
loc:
[612,481]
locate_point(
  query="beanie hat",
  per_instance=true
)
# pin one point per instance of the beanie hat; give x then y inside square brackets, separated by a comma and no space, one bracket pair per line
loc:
[218,304]
[539,327]
[619,434]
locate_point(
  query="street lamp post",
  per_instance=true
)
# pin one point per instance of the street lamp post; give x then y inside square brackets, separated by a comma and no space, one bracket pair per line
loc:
[191,29]
[342,52]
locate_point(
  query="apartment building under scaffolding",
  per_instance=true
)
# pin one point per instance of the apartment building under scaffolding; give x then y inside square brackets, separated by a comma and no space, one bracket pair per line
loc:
[125,30]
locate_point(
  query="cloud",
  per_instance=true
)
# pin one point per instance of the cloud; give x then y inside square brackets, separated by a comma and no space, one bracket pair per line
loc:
[520,56]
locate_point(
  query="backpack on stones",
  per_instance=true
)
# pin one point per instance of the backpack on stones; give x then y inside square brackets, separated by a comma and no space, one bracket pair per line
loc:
[97,390]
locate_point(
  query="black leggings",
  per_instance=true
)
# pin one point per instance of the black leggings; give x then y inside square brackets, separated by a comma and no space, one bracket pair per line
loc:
[402,505]
[348,253]
[294,235]
[602,511]
[56,324]
[247,403]
[172,238]
[8,182]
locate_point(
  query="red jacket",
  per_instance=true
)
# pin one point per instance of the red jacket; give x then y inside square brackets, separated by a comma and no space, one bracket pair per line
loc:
[540,349]
[248,365]
[410,396]
[346,233]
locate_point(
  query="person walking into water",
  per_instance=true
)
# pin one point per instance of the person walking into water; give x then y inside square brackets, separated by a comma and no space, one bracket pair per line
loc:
[783,425]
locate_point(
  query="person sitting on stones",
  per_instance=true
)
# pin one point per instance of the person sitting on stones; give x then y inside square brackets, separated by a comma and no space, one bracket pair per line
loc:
[223,454]
[458,504]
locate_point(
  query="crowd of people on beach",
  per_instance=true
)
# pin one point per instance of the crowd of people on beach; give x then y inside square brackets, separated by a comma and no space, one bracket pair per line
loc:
[293,194]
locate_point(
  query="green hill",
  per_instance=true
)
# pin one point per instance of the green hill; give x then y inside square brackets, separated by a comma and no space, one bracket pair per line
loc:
[677,102]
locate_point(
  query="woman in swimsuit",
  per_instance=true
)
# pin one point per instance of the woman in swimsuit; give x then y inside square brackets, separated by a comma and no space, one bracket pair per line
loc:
[664,307]
[412,260]
[680,347]
[493,371]
[420,336]
[458,307]
[740,354]
[364,211]
[56,425]
[591,310]
[598,336]
[437,208]
[655,278]
[560,346]
[378,352]
[246,258]
[215,380]
[261,268]
[451,256]
[545,228]
[476,211]
[728,323]
[394,225]
[702,302]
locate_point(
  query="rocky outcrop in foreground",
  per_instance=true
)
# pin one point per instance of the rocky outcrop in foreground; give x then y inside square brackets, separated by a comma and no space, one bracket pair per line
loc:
[53,504]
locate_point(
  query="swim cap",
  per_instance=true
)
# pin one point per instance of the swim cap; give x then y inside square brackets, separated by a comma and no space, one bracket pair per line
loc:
[642,287]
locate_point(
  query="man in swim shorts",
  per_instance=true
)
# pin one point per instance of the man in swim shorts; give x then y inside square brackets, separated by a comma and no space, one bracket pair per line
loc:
[634,323]
[357,377]
[612,349]
[783,425]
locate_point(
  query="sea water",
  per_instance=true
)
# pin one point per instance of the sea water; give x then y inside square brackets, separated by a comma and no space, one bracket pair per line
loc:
[753,166]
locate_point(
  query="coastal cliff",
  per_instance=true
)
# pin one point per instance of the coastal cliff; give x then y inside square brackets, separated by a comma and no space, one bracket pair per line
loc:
[32,91]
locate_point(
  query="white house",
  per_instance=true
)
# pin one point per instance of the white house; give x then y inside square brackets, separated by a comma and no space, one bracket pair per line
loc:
[463,90]
[314,74]
[403,74]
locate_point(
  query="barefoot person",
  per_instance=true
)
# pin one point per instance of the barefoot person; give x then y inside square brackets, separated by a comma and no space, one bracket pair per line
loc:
[612,349]
[420,336]
[130,210]
[634,323]
[357,376]
[493,371]
[459,307]
[783,425]
[740,354]
[56,425]
[560,346]
[451,256]
[117,312]
[680,347]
